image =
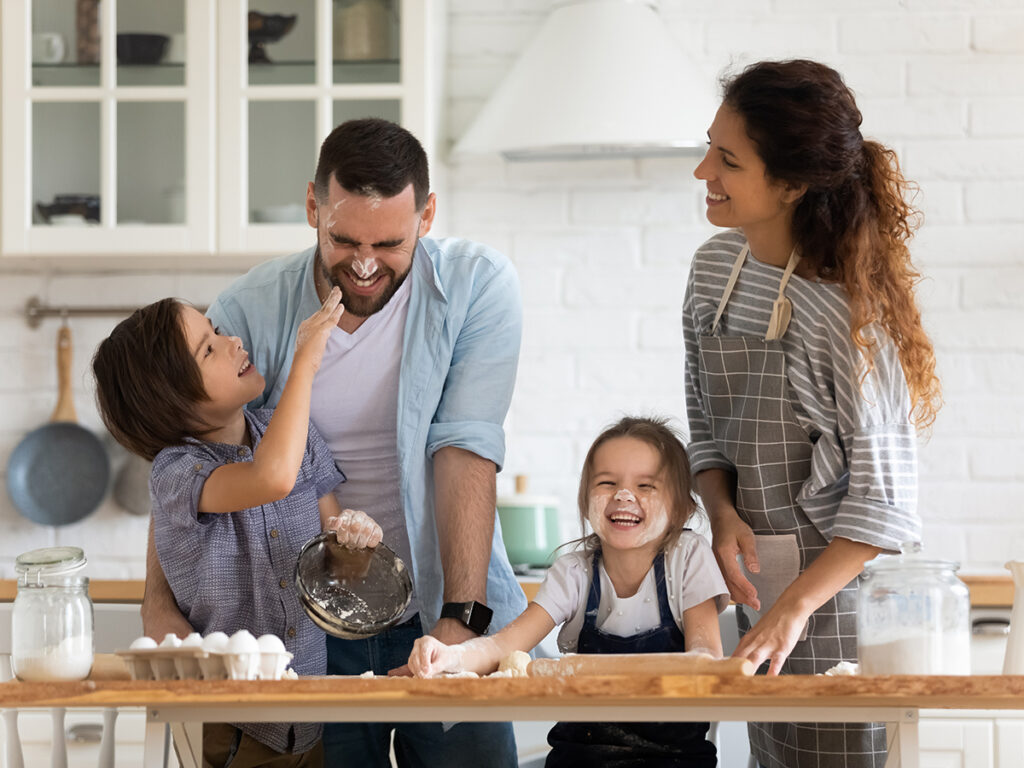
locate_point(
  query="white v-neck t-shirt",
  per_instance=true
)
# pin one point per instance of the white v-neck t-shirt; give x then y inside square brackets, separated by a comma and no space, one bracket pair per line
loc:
[355,407]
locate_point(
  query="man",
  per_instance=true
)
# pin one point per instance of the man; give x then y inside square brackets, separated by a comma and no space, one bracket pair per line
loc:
[411,396]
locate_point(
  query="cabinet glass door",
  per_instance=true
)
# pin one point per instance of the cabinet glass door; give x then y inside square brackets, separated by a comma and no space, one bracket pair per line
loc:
[107,126]
[304,66]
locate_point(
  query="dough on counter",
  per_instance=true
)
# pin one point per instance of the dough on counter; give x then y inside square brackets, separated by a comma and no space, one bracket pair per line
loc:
[515,664]
[843,669]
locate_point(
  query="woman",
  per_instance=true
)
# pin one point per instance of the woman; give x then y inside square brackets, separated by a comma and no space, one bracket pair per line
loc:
[807,373]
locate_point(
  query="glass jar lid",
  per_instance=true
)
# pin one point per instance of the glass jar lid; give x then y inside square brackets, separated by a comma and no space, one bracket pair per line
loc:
[50,561]
[911,557]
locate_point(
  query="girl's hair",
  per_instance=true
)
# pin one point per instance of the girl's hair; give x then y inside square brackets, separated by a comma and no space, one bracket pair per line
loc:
[675,465]
[855,219]
[147,382]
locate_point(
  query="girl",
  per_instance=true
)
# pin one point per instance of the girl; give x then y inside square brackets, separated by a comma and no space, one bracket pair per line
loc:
[807,372]
[235,493]
[640,583]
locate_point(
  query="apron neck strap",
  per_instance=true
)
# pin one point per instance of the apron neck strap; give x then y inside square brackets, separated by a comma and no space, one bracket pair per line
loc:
[736,268]
[782,309]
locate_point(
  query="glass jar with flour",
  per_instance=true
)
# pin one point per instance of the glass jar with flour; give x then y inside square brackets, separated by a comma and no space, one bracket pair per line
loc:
[52,618]
[913,616]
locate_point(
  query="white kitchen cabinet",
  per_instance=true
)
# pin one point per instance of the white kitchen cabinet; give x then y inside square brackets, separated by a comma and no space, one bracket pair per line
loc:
[205,152]
[971,739]
[83,729]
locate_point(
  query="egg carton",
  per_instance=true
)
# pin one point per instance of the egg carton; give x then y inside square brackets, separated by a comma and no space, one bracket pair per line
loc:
[197,663]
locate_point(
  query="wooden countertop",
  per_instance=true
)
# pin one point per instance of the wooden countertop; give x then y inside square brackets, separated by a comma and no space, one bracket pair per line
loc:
[926,692]
[987,591]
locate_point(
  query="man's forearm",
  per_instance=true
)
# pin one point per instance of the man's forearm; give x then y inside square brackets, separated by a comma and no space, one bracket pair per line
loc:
[160,612]
[464,488]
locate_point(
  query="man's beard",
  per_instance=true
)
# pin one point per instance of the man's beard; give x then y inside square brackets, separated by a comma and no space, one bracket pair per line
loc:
[362,306]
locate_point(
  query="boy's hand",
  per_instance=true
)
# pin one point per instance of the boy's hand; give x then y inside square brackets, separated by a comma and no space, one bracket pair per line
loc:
[431,657]
[315,330]
[355,529]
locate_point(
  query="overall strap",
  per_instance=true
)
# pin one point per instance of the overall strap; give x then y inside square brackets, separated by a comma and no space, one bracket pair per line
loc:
[594,596]
[660,585]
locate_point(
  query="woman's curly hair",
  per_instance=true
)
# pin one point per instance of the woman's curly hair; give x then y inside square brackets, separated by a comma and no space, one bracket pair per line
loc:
[855,219]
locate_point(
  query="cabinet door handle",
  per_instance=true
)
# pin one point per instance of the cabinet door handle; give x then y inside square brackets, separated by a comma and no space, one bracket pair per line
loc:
[85,733]
[991,626]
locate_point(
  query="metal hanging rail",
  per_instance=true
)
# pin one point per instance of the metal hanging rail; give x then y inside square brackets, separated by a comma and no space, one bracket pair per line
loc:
[36,311]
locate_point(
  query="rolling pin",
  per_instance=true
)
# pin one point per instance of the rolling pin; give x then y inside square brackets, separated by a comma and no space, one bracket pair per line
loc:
[639,664]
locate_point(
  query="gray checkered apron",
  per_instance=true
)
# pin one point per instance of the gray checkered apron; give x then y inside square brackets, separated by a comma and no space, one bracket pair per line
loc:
[746,398]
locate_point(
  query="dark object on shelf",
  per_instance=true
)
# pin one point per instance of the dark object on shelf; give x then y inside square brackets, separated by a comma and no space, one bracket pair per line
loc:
[87,31]
[266,28]
[87,206]
[141,47]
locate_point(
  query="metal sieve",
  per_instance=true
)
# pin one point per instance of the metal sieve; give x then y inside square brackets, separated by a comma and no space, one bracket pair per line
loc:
[351,593]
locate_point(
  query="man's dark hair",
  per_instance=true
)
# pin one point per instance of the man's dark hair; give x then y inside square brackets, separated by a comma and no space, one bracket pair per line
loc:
[370,156]
[147,382]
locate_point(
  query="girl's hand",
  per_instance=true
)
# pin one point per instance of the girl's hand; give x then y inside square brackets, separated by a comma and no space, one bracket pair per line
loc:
[355,529]
[730,537]
[431,657]
[773,637]
[314,331]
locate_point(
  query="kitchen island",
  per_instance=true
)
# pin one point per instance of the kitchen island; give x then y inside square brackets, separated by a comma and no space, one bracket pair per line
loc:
[186,704]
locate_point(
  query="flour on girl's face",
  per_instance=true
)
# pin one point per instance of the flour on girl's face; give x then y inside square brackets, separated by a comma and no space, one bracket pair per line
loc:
[623,520]
[629,500]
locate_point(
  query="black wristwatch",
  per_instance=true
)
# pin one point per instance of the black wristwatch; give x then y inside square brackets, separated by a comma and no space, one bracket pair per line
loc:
[474,615]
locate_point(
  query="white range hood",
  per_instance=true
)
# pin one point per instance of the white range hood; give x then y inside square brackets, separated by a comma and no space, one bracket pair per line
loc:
[602,78]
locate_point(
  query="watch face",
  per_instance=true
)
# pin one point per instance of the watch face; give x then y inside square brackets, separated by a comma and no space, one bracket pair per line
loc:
[474,615]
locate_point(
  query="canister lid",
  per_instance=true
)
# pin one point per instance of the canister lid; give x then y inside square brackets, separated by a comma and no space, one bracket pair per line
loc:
[527,501]
[50,561]
[911,557]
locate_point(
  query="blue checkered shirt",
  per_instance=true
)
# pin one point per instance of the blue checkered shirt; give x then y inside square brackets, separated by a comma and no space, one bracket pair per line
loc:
[236,571]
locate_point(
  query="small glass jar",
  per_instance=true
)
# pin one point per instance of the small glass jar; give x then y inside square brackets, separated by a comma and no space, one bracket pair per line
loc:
[52,618]
[913,616]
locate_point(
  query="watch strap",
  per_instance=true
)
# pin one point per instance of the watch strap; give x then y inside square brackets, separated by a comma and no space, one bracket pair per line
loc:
[474,615]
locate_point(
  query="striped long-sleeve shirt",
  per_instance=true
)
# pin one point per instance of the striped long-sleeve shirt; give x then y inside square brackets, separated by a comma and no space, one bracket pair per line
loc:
[863,480]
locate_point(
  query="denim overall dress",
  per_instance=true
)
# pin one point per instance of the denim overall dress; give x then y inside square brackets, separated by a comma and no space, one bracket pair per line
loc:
[630,745]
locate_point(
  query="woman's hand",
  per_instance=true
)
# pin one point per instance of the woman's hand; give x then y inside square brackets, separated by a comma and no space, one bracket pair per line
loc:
[730,537]
[773,637]
[314,331]
[355,529]
[431,657]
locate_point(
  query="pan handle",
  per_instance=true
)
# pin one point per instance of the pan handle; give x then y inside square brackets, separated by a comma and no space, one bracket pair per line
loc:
[65,410]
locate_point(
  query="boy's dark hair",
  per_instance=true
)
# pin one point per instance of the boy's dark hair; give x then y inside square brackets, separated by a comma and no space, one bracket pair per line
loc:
[656,432]
[147,382]
[370,156]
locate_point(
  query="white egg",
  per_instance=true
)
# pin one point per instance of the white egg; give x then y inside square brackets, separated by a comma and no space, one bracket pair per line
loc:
[243,642]
[142,642]
[270,644]
[215,642]
[194,640]
[170,641]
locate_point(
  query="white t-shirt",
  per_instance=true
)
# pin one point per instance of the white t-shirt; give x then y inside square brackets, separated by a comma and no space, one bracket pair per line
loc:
[689,565]
[355,407]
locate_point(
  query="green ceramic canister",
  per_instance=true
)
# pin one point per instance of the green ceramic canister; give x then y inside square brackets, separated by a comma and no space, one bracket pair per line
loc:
[529,526]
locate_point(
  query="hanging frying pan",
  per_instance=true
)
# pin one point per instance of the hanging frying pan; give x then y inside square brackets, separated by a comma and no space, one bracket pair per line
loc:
[58,473]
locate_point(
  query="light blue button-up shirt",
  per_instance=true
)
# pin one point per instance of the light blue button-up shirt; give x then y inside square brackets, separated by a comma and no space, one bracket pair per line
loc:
[459,358]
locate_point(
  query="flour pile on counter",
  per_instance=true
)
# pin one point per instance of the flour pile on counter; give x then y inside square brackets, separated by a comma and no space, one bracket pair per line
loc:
[843,669]
[215,657]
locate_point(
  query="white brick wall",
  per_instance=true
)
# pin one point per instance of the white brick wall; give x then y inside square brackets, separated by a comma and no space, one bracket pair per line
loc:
[942,82]
[602,248]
